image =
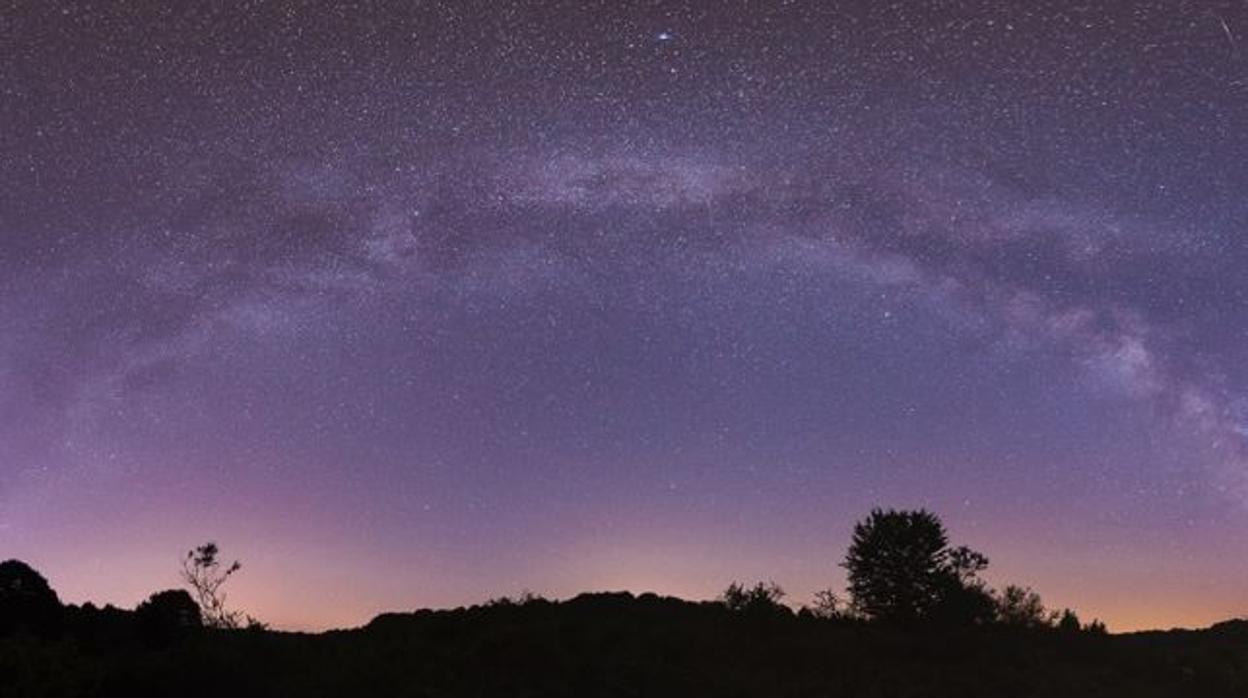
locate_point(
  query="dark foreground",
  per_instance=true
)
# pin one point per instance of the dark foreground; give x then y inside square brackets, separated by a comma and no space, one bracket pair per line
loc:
[620,645]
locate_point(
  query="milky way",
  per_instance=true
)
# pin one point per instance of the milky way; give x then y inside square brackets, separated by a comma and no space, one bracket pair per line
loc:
[413,306]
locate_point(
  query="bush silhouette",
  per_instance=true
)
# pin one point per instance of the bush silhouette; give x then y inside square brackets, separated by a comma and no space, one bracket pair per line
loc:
[27,603]
[168,615]
[829,606]
[762,599]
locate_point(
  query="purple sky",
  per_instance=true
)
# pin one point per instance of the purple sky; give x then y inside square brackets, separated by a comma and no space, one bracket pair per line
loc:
[418,306]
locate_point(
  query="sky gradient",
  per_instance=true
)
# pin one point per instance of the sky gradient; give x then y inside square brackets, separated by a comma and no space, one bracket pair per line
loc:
[416,304]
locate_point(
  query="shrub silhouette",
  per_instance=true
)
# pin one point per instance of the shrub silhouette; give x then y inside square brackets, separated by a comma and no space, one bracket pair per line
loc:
[205,575]
[830,606]
[27,603]
[762,599]
[167,616]
[902,570]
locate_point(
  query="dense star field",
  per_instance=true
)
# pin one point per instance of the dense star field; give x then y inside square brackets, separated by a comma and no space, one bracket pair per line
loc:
[414,304]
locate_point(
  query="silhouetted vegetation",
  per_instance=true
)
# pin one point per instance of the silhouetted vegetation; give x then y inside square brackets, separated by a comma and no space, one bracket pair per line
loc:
[919,622]
[760,600]
[1021,607]
[902,570]
[27,602]
[1068,622]
[168,616]
[829,605]
[205,575]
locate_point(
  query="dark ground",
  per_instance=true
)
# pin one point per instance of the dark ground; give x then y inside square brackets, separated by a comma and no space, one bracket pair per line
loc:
[620,645]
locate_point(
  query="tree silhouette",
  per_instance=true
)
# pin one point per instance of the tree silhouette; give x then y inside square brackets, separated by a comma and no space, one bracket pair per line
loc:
[902,570]
[205,575]
[1069,622]
[1021,607]
[27,602]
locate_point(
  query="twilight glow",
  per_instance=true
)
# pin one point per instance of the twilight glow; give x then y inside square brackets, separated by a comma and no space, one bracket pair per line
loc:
[419,304]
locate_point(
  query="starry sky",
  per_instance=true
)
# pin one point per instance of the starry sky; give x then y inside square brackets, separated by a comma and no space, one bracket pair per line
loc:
[416,304]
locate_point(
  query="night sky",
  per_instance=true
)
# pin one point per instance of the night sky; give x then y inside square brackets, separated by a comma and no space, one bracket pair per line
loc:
[416,304]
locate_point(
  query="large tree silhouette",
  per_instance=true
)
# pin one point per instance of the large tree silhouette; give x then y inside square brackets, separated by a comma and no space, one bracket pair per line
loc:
[901,569]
